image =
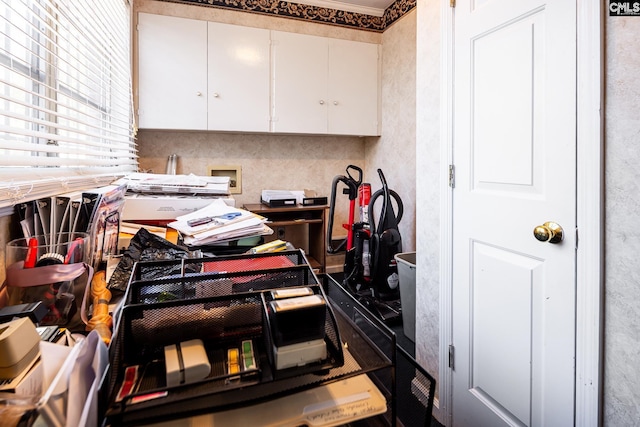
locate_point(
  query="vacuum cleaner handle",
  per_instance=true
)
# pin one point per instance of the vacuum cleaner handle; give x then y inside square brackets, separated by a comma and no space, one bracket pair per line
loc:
[398,217]
[388,219]
[356,182]
[352,190]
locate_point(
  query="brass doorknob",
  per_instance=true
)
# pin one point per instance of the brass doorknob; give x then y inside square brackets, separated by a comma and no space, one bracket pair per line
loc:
[549,232]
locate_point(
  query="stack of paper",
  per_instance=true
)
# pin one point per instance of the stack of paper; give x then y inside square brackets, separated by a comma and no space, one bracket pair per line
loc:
[218,223]
[296,197]
[176,184]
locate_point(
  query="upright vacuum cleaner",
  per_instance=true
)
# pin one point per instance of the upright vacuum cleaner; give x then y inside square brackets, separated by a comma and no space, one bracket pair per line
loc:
[351,190]
[370,270]
[385,243]
[352,184]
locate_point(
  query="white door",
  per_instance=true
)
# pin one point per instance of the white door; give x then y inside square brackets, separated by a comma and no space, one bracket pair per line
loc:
[514,156]
[299,83]
[172,72]
[238,70]
[353,88]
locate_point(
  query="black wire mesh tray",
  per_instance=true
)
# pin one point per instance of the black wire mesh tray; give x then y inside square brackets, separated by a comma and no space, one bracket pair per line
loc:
[205,277]
[221,322]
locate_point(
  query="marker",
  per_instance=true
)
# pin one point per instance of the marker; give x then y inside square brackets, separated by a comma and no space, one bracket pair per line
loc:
[32,253]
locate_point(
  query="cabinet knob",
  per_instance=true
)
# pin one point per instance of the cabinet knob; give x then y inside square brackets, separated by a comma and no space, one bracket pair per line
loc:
[198,93]
[335,102]
[216,95]
[322,102]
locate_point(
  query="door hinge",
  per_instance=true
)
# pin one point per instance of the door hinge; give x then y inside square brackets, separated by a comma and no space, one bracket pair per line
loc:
[451,356]
[452,3]
[452,176]
[576,248]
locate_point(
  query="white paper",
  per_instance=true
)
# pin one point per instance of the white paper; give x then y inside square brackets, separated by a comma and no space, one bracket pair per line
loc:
[246,224]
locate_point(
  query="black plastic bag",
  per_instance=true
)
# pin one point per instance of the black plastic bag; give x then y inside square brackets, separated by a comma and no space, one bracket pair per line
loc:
[146,246]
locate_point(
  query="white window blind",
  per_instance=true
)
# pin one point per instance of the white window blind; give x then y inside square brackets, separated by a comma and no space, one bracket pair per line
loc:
[65,96]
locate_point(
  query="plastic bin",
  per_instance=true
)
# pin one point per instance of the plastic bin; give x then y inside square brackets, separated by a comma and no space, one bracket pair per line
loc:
[406,262]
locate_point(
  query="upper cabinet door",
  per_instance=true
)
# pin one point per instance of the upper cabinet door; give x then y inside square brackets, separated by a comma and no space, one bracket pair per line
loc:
[172,72]
[299,83]
[353,88]
[324,86]
[238,69]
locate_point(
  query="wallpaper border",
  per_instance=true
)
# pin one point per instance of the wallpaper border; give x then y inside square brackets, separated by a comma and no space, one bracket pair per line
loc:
[313,13]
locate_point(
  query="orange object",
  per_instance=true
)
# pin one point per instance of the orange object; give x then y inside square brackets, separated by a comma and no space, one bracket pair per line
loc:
[101,321]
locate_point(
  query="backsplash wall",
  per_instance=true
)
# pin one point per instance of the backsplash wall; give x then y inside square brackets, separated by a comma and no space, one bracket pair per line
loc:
[292,162]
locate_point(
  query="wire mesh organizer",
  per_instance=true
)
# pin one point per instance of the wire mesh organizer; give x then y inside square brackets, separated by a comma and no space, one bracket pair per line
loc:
[409,386]
[224,275]
[224,303]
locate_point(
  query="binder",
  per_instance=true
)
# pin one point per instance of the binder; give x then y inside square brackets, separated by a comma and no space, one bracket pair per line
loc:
[74,209]
[24,211]
[43,206]
[59,207]
[64,213]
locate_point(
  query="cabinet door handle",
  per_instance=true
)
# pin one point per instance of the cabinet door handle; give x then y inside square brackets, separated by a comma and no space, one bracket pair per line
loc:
[335,102]
[216,95]
[322,102]
[198,93]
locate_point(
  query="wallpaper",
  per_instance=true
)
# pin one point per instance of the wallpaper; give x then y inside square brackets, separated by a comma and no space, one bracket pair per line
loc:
[621,398]
[312,13]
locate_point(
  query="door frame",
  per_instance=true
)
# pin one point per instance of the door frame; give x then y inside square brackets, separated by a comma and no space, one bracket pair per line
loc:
[589,212]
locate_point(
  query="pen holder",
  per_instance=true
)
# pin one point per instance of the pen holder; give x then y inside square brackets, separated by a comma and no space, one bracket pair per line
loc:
[40,269]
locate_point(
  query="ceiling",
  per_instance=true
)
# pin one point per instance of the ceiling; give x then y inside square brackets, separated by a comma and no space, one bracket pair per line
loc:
[367,7]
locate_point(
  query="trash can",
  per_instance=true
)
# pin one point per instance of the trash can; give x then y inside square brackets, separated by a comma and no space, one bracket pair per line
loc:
[406,262]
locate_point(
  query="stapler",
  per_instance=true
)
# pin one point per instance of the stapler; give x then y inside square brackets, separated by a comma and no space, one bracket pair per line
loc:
[33,310]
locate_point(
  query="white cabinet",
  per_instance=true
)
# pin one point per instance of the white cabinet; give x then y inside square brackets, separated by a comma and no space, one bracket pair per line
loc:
[172,72]
[299,83]
[322,85]
[353,88]
[199,75]
[238,69]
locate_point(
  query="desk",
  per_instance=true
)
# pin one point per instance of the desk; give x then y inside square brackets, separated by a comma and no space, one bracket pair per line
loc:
[337,403]
[302,226]
[368,350]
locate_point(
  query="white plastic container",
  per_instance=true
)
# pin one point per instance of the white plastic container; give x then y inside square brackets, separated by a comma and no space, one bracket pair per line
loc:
[406,262]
